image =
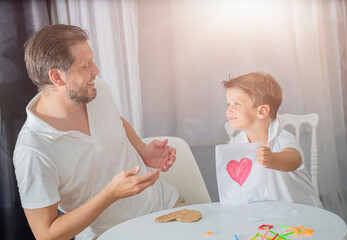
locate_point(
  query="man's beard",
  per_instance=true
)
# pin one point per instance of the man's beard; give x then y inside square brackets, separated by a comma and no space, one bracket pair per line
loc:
[73,95]
[76,95]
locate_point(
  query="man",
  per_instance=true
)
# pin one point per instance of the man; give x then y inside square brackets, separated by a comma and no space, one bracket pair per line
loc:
[75,152]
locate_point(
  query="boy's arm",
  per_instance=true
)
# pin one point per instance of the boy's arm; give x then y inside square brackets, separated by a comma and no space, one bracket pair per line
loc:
[287,160]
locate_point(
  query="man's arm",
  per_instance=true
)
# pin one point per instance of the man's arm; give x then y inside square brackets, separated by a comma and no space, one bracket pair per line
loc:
[133,138]
[156,154]
[287,160]
[46,224]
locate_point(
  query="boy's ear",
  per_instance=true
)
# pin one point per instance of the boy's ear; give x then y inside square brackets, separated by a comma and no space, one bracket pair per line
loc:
[57,77]
[263,111]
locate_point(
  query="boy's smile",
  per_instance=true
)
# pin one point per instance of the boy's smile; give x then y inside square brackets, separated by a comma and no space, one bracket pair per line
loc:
[231,118]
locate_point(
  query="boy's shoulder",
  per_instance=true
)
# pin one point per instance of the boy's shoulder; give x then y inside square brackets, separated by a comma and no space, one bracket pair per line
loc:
[285,137]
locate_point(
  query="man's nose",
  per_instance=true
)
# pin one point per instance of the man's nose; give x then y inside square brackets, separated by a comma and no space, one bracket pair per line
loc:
[96,70]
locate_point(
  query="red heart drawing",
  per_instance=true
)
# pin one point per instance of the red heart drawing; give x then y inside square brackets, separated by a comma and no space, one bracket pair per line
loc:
[239,171]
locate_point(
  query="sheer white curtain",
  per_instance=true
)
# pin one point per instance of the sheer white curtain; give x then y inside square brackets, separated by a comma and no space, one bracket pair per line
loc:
[188,47]
[113,28]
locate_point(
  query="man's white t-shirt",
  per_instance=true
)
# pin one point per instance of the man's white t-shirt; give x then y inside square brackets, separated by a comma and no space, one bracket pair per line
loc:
[70,167]
[292,186]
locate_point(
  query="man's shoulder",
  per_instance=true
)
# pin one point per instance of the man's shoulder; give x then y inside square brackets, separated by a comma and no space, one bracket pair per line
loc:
[104,95]
[30,138]
[29,144]
[103,90]
[101,85]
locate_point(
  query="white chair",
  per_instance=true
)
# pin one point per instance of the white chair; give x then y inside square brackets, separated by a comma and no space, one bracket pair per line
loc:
[297,121]
[185,174]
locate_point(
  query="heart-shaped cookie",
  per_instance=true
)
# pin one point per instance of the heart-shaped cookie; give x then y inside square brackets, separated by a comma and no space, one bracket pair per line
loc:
[183,215]
[239,171]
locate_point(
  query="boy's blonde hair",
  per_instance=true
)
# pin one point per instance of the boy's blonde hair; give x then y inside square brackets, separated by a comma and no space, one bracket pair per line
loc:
[261,88]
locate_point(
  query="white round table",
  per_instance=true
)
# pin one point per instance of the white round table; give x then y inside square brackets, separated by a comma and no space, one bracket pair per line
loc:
[226,221]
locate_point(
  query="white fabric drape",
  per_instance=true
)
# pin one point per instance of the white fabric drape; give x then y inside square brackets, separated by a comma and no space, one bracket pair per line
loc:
[188,47]
[113,28]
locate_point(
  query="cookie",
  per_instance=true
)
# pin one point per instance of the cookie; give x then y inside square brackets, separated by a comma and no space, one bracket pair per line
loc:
[183,215]
[189,216]
[167,217]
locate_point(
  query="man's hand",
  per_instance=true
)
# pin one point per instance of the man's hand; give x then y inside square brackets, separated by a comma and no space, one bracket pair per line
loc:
[127,183]
[46,224]
[158,155]
[264,155]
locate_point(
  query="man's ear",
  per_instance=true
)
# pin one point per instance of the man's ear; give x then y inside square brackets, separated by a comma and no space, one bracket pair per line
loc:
[57,77]
[263,111]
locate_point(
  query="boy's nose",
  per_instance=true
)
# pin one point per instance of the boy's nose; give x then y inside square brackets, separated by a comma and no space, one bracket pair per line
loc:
[229,110]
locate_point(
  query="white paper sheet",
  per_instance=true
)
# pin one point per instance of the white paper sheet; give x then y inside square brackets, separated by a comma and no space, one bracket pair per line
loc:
[239,176]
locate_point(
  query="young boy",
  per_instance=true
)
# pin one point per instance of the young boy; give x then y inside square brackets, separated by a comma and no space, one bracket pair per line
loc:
[253,101]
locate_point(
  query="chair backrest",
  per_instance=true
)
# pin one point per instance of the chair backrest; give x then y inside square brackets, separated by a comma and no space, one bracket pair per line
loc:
[185,174]
[296,121]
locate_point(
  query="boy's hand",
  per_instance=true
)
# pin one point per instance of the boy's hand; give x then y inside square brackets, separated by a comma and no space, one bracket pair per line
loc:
[264,155]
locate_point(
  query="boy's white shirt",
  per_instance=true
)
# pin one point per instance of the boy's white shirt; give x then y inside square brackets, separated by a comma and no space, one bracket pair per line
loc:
[295,186]
[71,167]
